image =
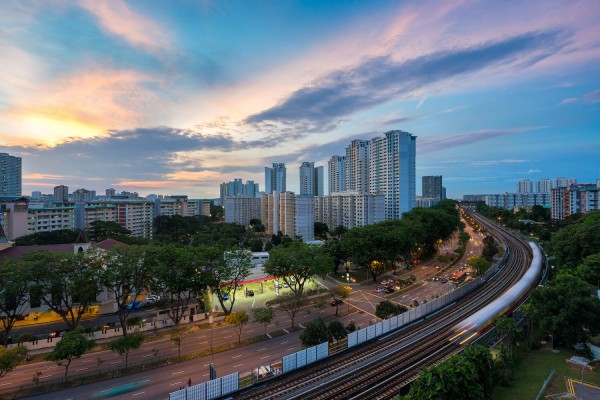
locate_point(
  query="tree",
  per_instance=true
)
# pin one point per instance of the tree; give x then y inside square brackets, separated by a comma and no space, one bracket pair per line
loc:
[125,274]
[224,272]
[177,335]
[291,304]
[238,319]
[456,378]
[263,316]
[125,344]
[14,294]
[589,269]
[490,248]
[176,277]
[479,265]
[336,330]
[483,361]
[339,231]
[321,229]
[66,283]
[297,263]
[334,248]
[73,345]
[256,245]
[10,358]
[60,236]
[386,309]
[575,242]
[463,237]
[102,230]
[341,292]
[315,333]
[507,331]
[565,309]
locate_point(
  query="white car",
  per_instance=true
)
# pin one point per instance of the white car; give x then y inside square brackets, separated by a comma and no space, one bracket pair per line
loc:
[152,298]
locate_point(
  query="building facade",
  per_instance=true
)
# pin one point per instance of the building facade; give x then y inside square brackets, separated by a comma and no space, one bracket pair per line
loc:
[275,178]
[524,186]
[61,194]
[577,198]
[349,209]
[432,187]
[241,209]
[10,175]
[337,174]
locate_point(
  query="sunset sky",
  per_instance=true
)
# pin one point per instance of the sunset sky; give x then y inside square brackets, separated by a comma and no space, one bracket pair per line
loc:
[175,97]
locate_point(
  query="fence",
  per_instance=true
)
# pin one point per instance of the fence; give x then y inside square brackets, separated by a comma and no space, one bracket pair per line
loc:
[545,385]
[208,390]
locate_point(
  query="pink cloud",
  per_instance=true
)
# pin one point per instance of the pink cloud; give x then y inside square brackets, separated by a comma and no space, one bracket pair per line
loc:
[138,30]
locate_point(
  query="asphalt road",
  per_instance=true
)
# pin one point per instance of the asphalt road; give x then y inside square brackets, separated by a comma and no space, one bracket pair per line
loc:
[157,383]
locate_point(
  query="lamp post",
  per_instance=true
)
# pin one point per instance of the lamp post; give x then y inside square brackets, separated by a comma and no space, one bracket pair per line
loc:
[348,280]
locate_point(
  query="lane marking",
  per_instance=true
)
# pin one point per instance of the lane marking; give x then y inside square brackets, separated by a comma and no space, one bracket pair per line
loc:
[81,369]
[264,348]
[178,372]
[115,362]
[236,356]
[287,341]
[239,365]
[176,383]
[135,394]
[286,331]
[291,348]
[301,326]
[262,358]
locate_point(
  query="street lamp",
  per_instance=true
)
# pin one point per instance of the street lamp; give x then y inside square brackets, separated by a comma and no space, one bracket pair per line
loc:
[348,280]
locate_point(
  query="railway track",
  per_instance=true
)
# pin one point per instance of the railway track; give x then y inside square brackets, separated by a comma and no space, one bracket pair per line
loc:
[381,368]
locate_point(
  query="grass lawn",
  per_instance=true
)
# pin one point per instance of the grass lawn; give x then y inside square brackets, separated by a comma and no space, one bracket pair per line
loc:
[535,368]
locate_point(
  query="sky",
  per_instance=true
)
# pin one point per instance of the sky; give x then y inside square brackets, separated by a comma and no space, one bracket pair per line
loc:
[176,97]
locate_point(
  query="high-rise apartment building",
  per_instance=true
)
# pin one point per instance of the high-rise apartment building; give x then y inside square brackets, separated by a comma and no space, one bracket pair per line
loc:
[432,187]
[524,186]
[384,165]
[401,164]
[337,174]
[319,181]
[82,196]
[565,182]
[10,175]
[576,198]
[237,188]
[61,194]
[544,186]
[349,209]
[110,192]
[357,166]
[307,178]
[242,209]
[289,214]
[275,178]
[311,179]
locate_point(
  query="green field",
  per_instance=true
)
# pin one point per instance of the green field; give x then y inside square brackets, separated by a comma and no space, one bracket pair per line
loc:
[535,368]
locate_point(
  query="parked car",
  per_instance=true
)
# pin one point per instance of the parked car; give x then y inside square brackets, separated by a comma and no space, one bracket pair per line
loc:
[336,302]
[135,305]
[444,280]
[435,278]
[152,298]
[250,293]
[388,290]
[57,333]
[225,296]
[379,289]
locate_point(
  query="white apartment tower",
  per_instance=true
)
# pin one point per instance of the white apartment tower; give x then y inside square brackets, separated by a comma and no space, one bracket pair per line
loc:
[544,186]
[400,193]
[357,166]
[307,178]
[337,174]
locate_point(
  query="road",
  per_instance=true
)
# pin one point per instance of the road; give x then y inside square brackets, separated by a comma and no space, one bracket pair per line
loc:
[159,382]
